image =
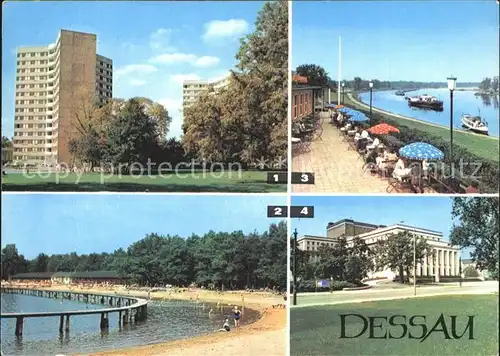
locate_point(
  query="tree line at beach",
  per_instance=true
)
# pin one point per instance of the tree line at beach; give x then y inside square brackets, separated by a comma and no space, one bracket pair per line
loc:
[216,260]
[489,86]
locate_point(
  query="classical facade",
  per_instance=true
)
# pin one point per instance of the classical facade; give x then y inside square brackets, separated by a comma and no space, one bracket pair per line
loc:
[50,82]
[443,259]
[192,89]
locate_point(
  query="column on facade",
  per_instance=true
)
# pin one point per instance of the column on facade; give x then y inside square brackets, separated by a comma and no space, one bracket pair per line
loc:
[441,262]
[425,266]
[457,263]
[431,262]
[453,272]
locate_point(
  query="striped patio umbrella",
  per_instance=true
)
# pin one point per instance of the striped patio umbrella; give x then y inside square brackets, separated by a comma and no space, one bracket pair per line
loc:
[420,151]
[382,129]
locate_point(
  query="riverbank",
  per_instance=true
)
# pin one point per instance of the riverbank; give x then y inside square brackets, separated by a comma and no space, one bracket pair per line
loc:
[483,146]
[266,336]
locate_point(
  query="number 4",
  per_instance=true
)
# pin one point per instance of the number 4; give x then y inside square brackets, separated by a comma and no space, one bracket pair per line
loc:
[304,211]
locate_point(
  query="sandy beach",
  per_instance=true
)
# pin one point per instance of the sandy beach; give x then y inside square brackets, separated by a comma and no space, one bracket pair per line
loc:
[267,336]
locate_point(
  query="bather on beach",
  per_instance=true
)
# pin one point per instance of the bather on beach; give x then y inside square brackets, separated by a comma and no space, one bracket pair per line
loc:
[225,326]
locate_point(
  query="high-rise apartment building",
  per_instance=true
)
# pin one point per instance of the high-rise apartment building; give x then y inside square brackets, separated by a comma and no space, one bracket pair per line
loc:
[194,88]
[50,83]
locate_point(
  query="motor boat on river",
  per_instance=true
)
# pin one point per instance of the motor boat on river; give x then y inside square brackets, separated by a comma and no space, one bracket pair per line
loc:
[475,124]
[400,93]
[425,102]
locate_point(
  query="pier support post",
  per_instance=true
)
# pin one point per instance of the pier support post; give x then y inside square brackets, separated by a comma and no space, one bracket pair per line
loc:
[19,326]
[67,323]
[125,317]
[61,323]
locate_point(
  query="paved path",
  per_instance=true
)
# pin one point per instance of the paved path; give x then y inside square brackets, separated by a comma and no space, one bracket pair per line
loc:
[336,168]
[373,294]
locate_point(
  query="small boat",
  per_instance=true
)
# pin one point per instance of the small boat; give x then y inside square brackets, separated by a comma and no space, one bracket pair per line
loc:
[426,102]
[475,124]
[400,93]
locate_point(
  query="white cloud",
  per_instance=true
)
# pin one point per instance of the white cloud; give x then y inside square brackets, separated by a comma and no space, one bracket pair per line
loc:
[225,29]
[160,40]
[172,58]
[136,69]
[177,58]
[137,82]
[207,61]
[180,78]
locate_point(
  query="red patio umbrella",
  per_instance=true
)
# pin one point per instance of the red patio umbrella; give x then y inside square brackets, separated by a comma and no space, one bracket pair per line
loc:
[382,129]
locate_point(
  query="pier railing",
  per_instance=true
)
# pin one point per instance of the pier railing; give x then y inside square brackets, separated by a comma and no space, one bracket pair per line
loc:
[129,309]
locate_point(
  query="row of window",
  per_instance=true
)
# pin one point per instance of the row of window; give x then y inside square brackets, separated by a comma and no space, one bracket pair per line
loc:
[32,54]
[23,63]
[302,105]
[106,80]
[32,126]
[105,65]
[38,134]
[22,86]
[25,158]
[33,70]
[39,101]
[106,72]
[34,93]
[32,118]
[34,149]
[31,78]
[33,109]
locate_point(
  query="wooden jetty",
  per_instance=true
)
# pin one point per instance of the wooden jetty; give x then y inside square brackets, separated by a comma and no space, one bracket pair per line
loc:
[129,309]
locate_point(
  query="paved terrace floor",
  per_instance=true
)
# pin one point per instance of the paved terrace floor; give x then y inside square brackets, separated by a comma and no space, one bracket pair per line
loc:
[336,168]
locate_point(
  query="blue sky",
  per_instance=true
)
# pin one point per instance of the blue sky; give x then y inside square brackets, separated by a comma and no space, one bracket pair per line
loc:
[399,40]
[154,45]
[88,223]
[433,213]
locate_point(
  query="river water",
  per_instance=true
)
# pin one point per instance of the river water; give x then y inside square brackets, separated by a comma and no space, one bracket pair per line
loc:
[167,320]
[464,102]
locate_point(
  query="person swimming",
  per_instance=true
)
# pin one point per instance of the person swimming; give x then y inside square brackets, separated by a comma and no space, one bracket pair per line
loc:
[225,326]
[237,316]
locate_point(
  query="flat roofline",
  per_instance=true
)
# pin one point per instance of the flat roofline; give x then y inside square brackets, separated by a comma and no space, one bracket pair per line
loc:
[79,32]
[343,221]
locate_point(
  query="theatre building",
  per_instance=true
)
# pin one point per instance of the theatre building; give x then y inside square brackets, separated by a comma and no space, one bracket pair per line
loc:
[442,261]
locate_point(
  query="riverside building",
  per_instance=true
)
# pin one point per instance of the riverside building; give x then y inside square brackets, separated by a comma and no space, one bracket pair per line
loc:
[444,263]
[50,82]
[192,89]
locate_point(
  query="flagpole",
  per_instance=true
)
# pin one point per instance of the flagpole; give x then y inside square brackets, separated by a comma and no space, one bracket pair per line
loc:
[340,72]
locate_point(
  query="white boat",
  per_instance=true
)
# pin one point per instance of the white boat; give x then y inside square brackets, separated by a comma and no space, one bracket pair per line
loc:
[475,123]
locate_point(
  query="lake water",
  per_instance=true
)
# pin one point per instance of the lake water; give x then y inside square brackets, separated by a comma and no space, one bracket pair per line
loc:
[167,320]
[464,102]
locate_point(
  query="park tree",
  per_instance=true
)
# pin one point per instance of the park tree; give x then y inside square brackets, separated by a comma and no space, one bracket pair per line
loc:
[357,83]
[246,121]
[6,142]
[495,85]
[130,135]
[316,75]
[396,253]
[477,227]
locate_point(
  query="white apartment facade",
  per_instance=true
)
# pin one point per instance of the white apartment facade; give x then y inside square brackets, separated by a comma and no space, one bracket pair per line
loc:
[48,82]
[192,89]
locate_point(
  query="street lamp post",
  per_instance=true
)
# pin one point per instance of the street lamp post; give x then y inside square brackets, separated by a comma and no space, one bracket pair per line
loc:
[295,267]
[451,86]
[343,91]
[371,92]
[460,269]
[414,264]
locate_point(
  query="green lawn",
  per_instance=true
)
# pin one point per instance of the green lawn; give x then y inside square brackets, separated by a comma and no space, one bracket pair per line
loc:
[316,330]
[483,146]
[248,182]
